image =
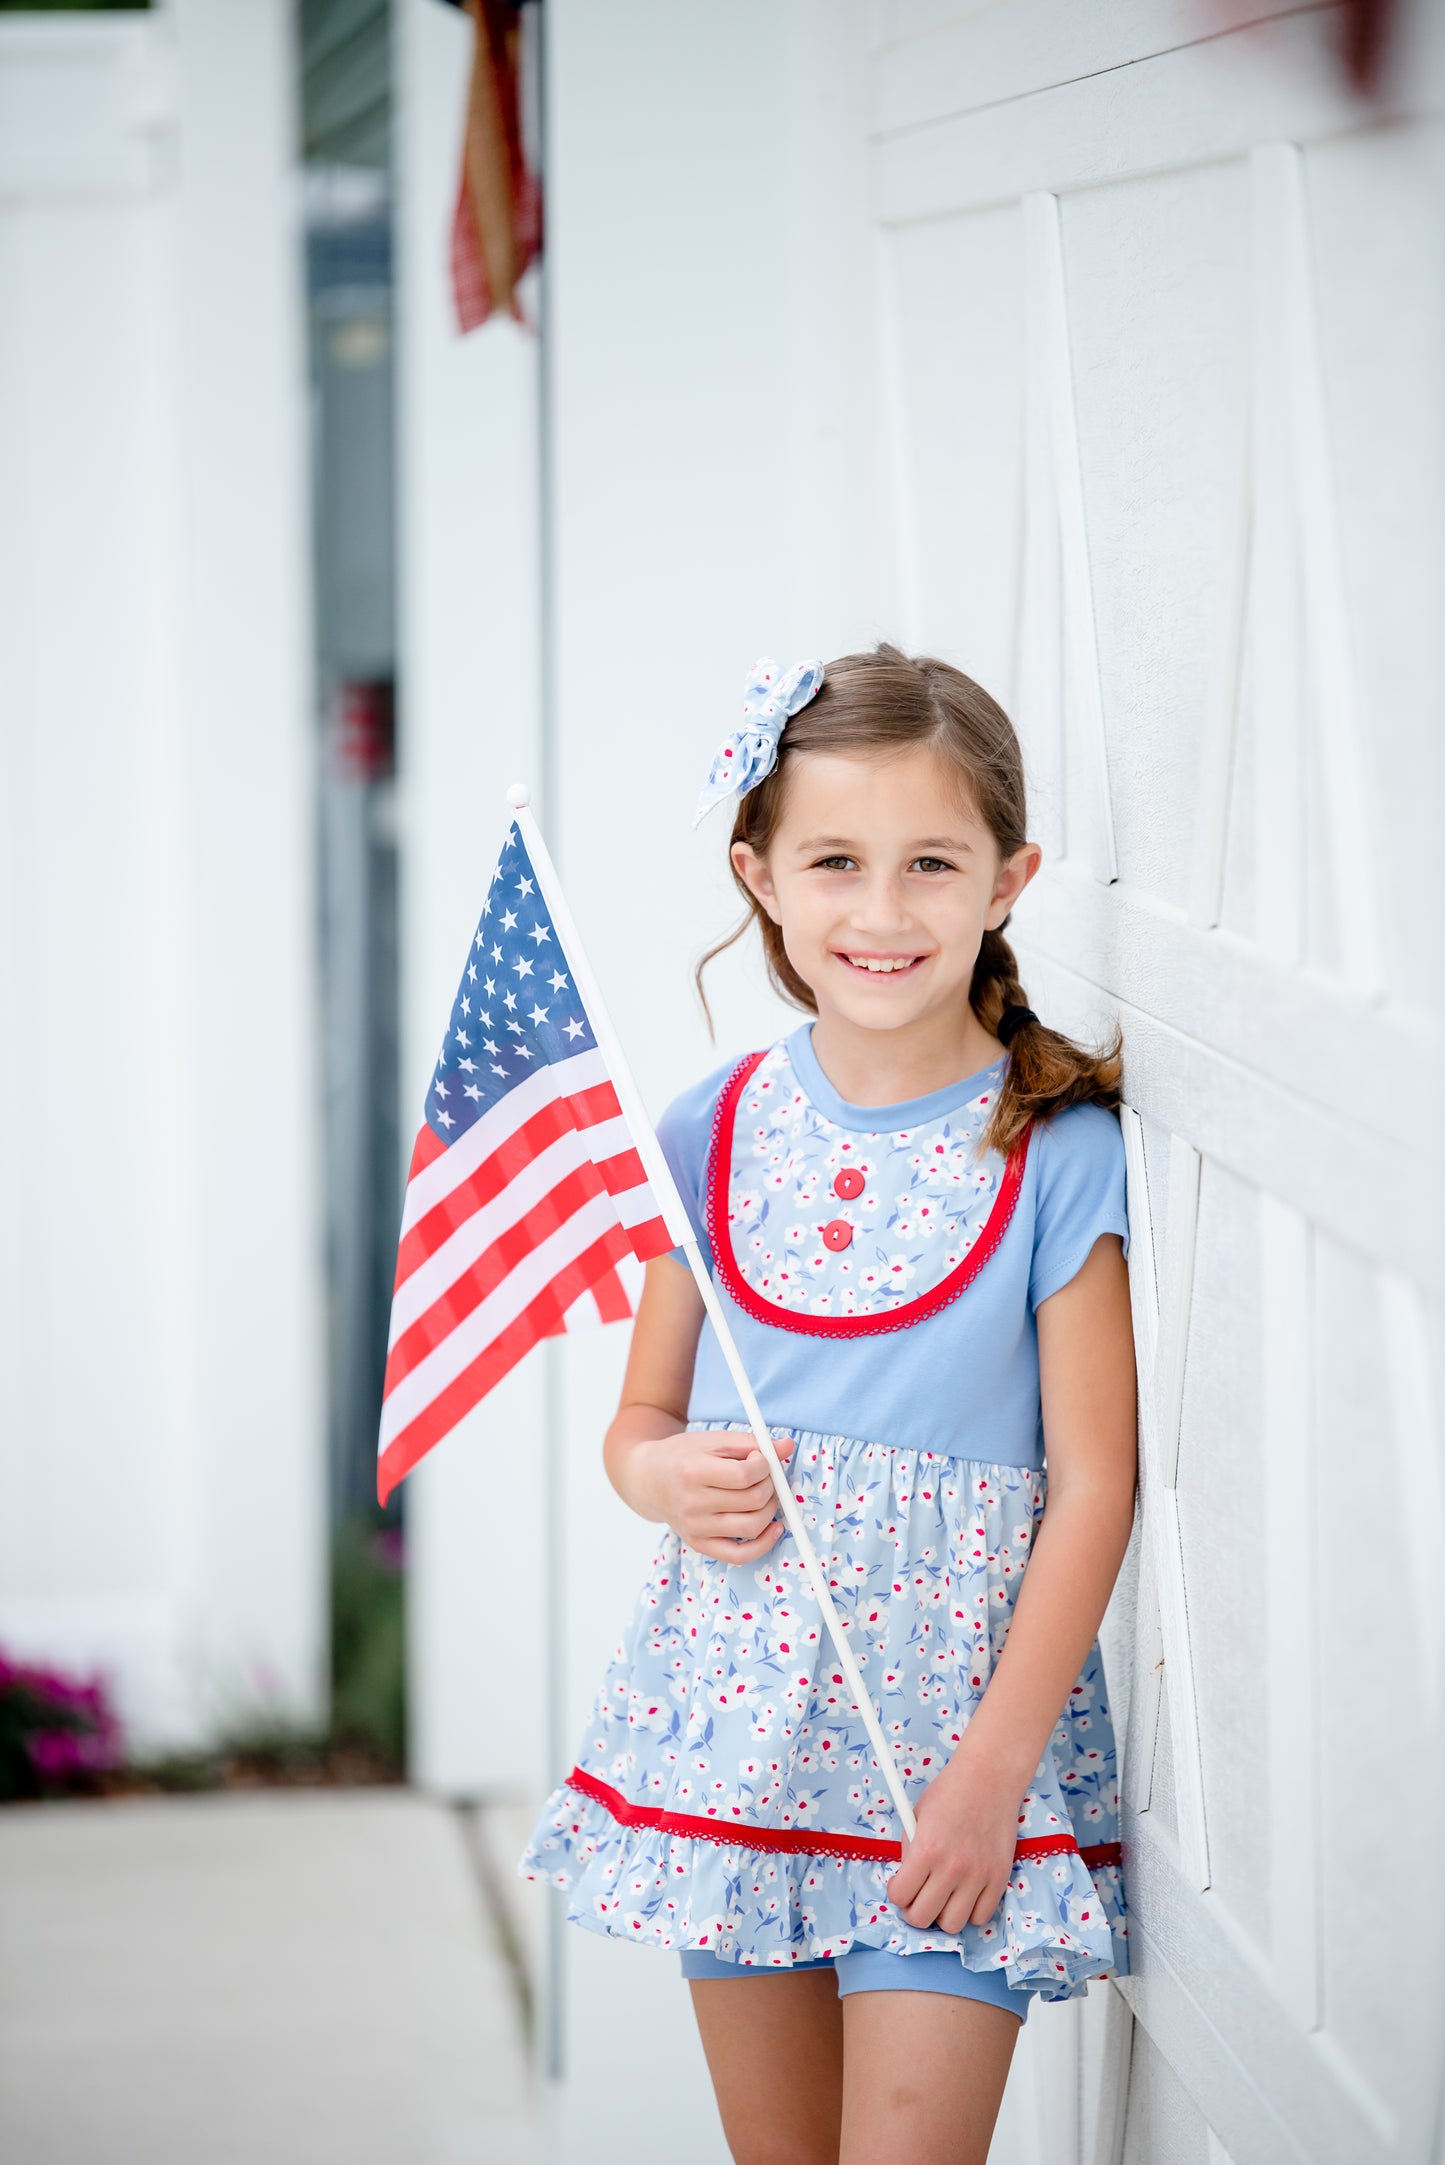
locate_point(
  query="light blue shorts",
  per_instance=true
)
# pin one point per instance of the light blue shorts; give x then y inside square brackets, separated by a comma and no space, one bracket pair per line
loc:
[877,1969]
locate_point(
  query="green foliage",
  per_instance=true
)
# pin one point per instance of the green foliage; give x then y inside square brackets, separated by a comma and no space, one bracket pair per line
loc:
[59,1734]
[368,1641]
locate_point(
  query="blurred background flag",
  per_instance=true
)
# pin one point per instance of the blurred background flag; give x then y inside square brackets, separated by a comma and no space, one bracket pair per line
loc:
[497,223]
[537,1189]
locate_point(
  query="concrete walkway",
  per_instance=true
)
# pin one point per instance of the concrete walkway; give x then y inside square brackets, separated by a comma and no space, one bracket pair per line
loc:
[304,1979]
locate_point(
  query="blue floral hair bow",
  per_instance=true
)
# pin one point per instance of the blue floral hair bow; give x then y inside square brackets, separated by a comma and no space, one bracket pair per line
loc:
[750,753]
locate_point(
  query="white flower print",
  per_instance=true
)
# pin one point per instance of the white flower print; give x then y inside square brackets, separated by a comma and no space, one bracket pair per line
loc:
[774,1739]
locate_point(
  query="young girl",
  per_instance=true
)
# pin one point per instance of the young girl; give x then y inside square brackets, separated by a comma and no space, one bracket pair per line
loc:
[913,1208]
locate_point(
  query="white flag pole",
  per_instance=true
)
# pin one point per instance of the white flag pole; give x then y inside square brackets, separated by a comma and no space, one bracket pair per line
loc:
[679,1224]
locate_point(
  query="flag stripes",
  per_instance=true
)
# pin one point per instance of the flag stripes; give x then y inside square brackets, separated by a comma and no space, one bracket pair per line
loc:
[538,1319]
[504,1231]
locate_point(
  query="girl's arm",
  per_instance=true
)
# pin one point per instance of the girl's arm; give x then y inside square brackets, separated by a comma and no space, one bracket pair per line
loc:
[959,1863]
[712,1488]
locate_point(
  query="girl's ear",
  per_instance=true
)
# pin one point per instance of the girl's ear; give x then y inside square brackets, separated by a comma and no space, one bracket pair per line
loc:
[1014,876]
[753,871]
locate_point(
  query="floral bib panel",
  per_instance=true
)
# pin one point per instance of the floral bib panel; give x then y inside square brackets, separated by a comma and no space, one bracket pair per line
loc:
[826,1220]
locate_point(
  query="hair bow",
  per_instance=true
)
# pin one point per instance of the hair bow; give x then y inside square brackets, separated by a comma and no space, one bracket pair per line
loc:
[750,752]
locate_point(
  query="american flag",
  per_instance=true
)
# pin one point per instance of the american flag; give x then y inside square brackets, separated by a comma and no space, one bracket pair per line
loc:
[528,1209]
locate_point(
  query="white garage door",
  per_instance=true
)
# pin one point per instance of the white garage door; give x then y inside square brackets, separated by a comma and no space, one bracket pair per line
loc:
[1162,305]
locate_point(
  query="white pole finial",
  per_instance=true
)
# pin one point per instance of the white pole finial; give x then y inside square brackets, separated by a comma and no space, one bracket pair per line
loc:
[518,794]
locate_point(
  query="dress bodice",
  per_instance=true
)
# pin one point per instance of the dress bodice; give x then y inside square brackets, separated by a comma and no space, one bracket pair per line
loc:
[927,1339]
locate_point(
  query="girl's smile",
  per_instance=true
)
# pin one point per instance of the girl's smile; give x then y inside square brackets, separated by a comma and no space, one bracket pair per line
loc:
[871,965]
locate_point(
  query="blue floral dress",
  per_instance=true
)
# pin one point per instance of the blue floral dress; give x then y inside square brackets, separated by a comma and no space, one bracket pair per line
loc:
[881,1273]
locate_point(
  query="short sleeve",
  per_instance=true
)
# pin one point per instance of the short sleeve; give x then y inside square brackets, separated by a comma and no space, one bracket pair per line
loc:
[1081,1194]
[684,1130]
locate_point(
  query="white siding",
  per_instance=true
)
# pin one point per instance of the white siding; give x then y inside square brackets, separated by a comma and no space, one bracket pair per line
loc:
[1097,351]
[161,1440]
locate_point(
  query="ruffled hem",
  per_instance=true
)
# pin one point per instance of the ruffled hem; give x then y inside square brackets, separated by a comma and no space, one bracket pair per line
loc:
[1058,1924]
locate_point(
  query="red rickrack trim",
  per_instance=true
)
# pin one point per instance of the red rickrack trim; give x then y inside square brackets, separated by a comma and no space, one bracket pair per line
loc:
[790,1319]
[801,1841]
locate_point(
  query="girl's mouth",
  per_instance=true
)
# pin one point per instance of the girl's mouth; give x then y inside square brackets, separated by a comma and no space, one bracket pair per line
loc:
[881,966]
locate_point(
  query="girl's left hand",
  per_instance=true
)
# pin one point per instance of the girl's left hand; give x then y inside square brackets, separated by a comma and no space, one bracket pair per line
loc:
[958,1864]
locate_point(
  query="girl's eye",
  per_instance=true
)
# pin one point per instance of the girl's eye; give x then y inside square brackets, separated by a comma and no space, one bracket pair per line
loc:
[827,862]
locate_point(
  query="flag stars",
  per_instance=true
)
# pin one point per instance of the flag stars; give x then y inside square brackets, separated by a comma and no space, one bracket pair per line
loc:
[499,1022]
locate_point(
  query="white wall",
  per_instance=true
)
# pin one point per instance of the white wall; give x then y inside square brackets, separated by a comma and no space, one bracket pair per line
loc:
[1167,316]
[468,724]
[161,1443]
[1023,336]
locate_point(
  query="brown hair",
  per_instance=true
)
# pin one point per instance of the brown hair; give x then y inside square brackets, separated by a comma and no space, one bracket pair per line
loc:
[885,701]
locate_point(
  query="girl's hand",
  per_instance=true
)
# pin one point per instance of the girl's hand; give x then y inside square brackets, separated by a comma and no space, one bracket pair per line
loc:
[958,1864]
[715,1491]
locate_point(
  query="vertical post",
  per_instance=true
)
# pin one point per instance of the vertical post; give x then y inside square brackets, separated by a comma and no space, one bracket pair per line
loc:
[553,1441]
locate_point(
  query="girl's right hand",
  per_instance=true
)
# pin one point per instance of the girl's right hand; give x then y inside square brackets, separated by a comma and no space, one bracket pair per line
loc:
[714,1490]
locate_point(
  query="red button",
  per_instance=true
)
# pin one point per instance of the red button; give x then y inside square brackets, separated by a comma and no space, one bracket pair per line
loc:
[848,1183]
[837,1233]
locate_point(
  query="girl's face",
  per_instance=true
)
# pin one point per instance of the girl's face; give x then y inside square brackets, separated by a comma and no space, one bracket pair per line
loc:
[883,880]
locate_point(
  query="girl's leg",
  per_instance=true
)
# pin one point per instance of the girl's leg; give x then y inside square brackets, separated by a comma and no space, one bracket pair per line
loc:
[923,2077]
[774,2047]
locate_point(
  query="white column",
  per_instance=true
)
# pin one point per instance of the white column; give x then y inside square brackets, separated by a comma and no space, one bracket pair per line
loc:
[162,1442]
[468,725]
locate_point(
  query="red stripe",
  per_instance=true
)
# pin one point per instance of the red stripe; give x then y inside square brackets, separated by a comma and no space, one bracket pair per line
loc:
[596,1103]
[427,1148]
[560,1116]
[610,1295]
[622,1172]
[855,1326]
[506,1349]
[485,1274]
[650,1238]
[801,1841]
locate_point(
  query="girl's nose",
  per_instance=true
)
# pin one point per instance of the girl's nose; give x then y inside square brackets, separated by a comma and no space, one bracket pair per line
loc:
[881,908]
